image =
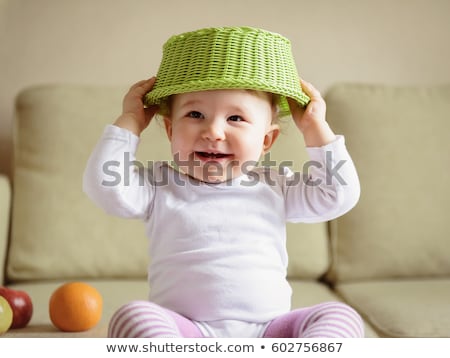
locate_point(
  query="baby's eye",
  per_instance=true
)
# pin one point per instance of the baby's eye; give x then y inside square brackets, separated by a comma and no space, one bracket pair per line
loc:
[195,114]
[235,118]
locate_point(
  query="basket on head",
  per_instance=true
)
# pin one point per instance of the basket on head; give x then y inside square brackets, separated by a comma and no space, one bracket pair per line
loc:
[228,58]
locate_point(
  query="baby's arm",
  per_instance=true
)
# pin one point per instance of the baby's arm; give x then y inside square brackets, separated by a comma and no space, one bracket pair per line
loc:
[331,186]
[111,179]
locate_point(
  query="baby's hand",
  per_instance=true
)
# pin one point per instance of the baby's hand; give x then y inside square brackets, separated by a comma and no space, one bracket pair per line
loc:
[311,120]
[135,117]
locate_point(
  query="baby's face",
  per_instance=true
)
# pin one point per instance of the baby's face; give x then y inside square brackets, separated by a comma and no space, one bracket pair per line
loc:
[218,135]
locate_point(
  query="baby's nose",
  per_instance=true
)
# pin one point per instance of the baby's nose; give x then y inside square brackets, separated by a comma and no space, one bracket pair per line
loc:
[214,131]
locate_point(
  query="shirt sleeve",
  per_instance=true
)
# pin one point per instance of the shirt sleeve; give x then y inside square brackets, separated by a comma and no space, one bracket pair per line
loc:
[114,179]
[327,188]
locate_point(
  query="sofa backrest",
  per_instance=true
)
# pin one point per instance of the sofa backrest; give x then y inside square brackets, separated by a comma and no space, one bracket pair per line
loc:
[399,140]
[57,233]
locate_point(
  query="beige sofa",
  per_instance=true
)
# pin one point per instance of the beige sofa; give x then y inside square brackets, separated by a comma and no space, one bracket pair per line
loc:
[389,257]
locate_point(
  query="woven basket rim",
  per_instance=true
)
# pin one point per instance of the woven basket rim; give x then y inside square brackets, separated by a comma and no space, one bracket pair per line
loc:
[158,95]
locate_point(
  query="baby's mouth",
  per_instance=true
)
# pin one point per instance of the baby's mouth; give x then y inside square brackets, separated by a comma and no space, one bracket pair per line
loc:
[210,155]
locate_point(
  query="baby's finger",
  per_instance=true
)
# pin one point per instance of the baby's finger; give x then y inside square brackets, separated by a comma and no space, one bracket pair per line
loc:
[144,85]
[141,88]
[149,83]
[310,90]
[138,84]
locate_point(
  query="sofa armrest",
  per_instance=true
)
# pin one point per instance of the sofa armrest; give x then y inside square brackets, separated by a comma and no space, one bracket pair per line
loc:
[5,204]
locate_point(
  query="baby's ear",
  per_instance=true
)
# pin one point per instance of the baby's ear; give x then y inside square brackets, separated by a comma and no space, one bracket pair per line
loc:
[270,137]
[168,126]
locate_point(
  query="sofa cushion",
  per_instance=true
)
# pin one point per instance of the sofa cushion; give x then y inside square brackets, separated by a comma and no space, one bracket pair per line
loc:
[402,308]
[399,140]
[118,292]
[57,233]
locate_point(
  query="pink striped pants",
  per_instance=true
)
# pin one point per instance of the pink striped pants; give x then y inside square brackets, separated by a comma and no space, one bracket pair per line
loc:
[143,319]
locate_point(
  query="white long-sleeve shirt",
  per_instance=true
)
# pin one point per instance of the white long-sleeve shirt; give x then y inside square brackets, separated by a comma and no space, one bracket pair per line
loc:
[218,251]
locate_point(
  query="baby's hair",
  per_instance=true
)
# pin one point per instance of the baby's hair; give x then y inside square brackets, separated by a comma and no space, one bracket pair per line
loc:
[274,102]
[165,105]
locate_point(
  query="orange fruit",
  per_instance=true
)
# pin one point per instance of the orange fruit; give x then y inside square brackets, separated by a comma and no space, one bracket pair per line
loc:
[75,307]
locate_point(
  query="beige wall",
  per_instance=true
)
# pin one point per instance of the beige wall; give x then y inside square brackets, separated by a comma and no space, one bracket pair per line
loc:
[119,41]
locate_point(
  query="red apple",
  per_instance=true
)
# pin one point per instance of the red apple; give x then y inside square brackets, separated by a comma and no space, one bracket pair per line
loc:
[21,306]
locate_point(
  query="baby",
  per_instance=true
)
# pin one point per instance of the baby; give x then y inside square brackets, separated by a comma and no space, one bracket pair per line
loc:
[216,222]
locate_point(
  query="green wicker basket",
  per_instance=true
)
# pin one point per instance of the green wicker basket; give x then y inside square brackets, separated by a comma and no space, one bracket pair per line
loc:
[228,58]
